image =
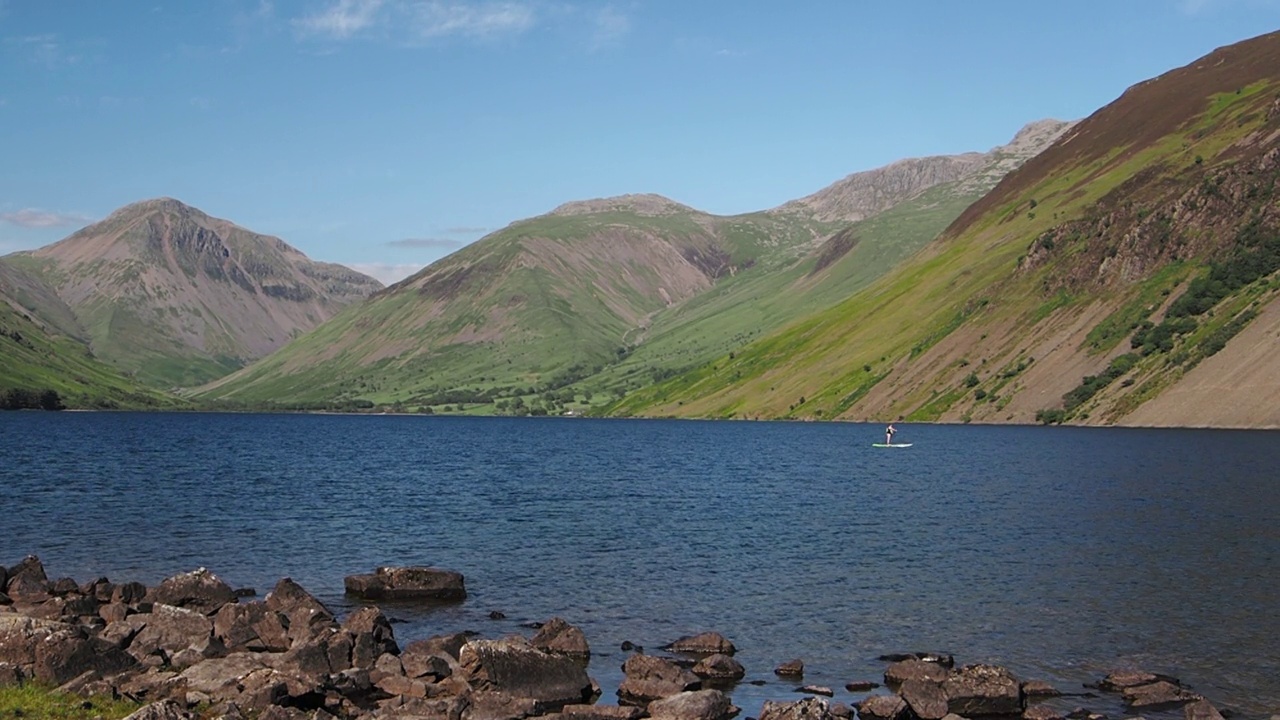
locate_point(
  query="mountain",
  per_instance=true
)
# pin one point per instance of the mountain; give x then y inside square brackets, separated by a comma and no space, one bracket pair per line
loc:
[1127,274]
[608,295]
[166,293]
[40,352]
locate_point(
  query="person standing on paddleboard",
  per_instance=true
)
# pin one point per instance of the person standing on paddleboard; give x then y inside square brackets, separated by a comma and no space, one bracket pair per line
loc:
[888,434]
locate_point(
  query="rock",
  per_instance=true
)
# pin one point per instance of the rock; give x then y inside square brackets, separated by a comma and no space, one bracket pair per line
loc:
[914,669]
[215,676]
[1039,689]
[401,685]
[171,629]
[153,685]
[841,711]
[198,590]
[27,589]
[10,674]
[113,612]
[419,663]
[250,626]
[1118,680]
[807,709]
[371,636]
[514,667]
[63,587]
[305,614]
[857,686]
[450,645]
[450,708]
[66,654]
[30,567]
[816,690]
[163,710]
[601,712]
[1156,694]
[719,667]
[1041,712]
[491,705]
[983,690]
[497,615]
[408,583]
[926,699]
[649,678]
[693,705]
[882,707]
[790,668]
[130,593]
[1201,710]
[559,637]
[706,643]
[4,577]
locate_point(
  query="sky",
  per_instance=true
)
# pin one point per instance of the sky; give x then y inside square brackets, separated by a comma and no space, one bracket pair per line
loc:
[385,134]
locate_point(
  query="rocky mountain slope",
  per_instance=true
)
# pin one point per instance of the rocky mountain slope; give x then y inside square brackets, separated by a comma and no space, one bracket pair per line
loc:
[42,351]
[606,295]
[173,296]
[1124,275]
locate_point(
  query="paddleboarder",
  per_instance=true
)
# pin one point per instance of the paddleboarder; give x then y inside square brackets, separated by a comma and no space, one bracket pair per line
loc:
[888,434]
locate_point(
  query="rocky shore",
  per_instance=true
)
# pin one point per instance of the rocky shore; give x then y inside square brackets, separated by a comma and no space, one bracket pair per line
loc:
[192,644]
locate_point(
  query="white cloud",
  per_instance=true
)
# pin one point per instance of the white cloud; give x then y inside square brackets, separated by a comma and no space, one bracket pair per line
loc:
[47,50]
[32,218]
[342,19]
[445,18]
[387,273]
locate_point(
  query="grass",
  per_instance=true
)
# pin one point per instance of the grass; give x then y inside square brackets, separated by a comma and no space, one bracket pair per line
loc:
[34,702]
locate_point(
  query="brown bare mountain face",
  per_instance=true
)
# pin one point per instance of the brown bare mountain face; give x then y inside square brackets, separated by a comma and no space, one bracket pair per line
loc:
[1125,275]
[165,292]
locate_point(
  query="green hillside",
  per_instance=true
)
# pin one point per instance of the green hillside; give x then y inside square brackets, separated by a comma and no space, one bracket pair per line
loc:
[37,355]
[1039,300]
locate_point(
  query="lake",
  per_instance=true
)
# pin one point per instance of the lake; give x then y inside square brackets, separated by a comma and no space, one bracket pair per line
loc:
[1061,553]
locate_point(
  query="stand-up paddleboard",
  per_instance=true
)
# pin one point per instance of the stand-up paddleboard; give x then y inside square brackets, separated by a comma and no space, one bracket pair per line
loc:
[891,444]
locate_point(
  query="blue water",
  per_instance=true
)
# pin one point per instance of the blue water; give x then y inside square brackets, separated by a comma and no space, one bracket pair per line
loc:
[1061,553]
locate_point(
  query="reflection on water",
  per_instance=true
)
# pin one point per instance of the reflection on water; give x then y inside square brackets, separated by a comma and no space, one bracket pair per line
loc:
[1059,552]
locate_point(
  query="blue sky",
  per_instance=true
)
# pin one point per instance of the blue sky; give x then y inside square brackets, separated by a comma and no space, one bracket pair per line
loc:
[384,134]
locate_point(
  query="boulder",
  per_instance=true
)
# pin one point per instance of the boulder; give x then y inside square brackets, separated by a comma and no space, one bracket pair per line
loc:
[450,645]
[1039,689]
[305,615]
[1041,712]
[816,690]
[408,583]
[882,707]
[807,709]
[10,674]
[29,567]
[857,686]
[153,685]
[443,708]
[706,643]
[601,712]
[649,678]
[914,669]
[1201,710]
[130,593]
[983,690]
[1157,694]
[250,626]
[162,710]
[98,589]
[558,637]
[515,667]
[790,668]
[491,705]
[719,667]
[371,636]
[171,629]
[198,590]
[693,705]
[27,589]
[1118,680]
[419,662]
[113,612]
[926,699]
[219,677]
[64,655]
